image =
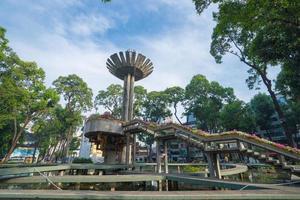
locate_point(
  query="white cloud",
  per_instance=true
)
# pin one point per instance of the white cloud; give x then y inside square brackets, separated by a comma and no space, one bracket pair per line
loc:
[90,24]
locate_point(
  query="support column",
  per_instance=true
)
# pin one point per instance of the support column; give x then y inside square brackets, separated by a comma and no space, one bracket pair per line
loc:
[210,165]
[166,157]
[134,150]
[217,169]
[159,185]
[126,95]
[131,97]
[127,149]
[158,161]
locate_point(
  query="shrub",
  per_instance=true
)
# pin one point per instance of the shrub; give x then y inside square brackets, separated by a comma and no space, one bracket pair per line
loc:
[82,160]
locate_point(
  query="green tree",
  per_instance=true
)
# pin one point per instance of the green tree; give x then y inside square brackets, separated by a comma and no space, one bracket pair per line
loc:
[204,100]
[237,115]
[252,41]
[263,108]
[156,107]
[148,139]
[78,97]
[111,99]
[24,97]
[175,96]
[140,95]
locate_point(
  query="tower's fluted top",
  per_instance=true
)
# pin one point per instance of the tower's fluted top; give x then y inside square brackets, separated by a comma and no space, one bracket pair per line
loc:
[121,64]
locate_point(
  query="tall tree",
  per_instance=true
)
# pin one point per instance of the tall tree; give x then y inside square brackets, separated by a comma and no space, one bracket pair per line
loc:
[156,107]
[239,116]
[175,96]
[204,100]
[24,97]
[238,34]
[78,97]
[264,110]
[111,99]
[140,95]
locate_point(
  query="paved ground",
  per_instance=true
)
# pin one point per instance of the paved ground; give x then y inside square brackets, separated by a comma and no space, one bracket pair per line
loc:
[173,195]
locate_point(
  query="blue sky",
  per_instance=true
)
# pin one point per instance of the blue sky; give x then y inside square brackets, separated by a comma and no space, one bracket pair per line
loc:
[77,36]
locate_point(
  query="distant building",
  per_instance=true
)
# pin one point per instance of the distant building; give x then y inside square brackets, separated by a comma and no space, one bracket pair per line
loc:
[276,132]
[141,153]
[85,147]
[24,152]
[191,121]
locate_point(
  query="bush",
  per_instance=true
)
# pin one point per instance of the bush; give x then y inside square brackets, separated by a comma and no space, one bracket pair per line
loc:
[82,160]
[193,169]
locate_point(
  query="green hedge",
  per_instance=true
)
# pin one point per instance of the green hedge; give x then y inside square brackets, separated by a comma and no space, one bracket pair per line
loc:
[82,160]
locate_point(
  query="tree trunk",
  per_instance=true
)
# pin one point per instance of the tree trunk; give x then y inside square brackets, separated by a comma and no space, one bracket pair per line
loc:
[279,111]
[14,142]
[34,152]
[52,153]
[69,138]
[175,113]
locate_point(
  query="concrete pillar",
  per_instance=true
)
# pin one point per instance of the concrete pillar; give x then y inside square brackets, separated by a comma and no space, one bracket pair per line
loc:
[131,97]
[158,161]
[166,157]
[159,185]
[123,154]
[61,173]
[210,164]
[127,149]
[134,149]
[217,166]
[126,97]
[167,185]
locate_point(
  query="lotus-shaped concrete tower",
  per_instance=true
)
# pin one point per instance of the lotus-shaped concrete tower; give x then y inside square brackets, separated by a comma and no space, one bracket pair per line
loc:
[130,67]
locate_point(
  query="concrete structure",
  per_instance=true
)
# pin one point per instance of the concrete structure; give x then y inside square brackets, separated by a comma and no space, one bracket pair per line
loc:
[129,67]
[119,146]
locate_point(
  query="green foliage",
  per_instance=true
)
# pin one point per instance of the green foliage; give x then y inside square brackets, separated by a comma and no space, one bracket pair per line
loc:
[263,108]
[192,169]
[75,92]
[148,139]
[156,107]
[78,97]
[239,116]
[23,95]
[205,99]
[74,144]
[111,99]
[175,95]
[140,95]
[288,82]
[82,160]
[260,34]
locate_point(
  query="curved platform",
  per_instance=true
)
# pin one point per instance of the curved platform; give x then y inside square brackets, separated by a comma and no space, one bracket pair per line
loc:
[95,126]
[129,63]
